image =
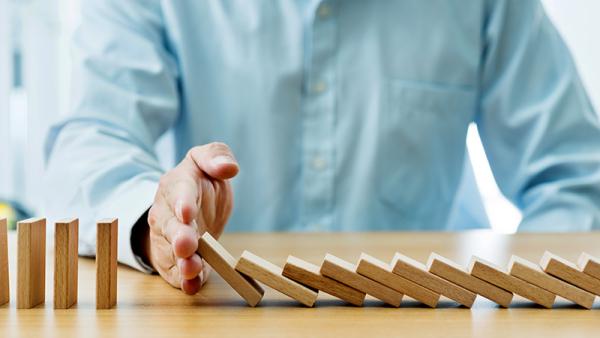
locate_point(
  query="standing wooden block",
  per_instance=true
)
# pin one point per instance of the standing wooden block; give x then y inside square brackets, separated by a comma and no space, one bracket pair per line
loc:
[381,272]
[31,263]
[455,273]
[345,272]
[272,275]
[589,265]
[308,274]
[4,281]
[567,271]
[224,264]
[66,243]
[497,276]
[106,263]
[532,273]
[415,271]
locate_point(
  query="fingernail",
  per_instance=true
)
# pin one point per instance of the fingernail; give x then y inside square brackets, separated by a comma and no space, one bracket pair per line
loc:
[179,210]
[222,159]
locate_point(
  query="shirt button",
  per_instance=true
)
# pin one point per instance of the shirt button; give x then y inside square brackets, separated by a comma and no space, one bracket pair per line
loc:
[319,87]
[318,163]
[324,11]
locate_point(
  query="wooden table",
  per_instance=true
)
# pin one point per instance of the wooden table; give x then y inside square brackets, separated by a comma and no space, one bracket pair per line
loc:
[148,307]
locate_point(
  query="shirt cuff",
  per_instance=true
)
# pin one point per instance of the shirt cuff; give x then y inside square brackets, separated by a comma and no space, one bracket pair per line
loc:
[132,203]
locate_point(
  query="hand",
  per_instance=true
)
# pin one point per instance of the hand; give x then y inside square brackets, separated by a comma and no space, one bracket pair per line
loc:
[192,198]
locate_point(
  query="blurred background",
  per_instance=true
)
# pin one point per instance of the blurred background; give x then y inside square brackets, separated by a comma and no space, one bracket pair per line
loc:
[35,84]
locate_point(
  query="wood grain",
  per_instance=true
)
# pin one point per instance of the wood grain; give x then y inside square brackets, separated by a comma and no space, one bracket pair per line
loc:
[308,274]
[224,264]
[4,274]
[272,276]
[589,265]
[532,273]
[568,271]
[345,272]
[499,277]
[453,272]
[31,265]
[66,247]
[106,263]
[149,307]
[417,272]
[381,272]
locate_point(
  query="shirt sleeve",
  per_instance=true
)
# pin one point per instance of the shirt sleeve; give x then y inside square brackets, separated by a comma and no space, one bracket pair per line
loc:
[100,159]
[538,127]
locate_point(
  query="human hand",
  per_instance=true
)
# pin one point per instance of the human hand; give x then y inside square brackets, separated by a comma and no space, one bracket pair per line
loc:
[192,198]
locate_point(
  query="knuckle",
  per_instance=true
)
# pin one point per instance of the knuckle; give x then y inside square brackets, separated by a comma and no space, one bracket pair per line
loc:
[218,147]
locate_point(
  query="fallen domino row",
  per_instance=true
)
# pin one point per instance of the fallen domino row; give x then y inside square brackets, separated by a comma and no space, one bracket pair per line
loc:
[302,281]
[31,263]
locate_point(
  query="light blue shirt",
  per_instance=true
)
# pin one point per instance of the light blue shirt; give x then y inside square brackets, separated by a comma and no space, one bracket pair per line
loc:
[343,115]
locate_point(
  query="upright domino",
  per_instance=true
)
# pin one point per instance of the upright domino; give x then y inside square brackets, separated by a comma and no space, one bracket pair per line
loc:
[224,264]
[308,274]
[497,276]
[345,272]
[449,270]
[106,263]
[4,281]
[417,272]
[589,265]
[532,273]
[66,242]
[567,271]
[31,263]
[272,275]
[381,272]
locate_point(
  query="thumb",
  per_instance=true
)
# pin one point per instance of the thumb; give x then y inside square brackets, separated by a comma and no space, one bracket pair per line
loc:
[215,159]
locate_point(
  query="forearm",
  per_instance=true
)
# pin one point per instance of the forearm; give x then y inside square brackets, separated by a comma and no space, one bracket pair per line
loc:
[95,170]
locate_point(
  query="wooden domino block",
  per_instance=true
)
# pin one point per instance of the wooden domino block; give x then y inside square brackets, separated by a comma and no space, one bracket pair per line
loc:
[381,272]
[589,265]
[346,273]
[4,281]
[532,273]
[31,263]
[415,271]
[497,276]
[66,242]
[308,274]
[449,270]
[224,264]
[567,271]
[272,275]
[106,263]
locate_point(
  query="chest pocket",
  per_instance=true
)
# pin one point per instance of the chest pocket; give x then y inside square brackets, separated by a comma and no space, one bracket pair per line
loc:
[421,146]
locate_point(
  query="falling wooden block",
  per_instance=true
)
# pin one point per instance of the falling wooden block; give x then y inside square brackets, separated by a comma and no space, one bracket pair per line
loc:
[224,264]
[451,271]
[589,265]
[415,271]
[381,272]
[346,273]
[567,271]
[4,281]
[106,263]
[308,274]
[532,273]
[497,276]
[66,242]
[272,276]
[31,263]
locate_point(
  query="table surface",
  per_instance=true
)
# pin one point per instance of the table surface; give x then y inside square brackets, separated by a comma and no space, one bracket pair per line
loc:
[148,307]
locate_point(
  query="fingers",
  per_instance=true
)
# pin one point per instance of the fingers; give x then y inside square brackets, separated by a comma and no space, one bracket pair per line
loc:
[181,194]
[184,273]
[183,237]
[215,159]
